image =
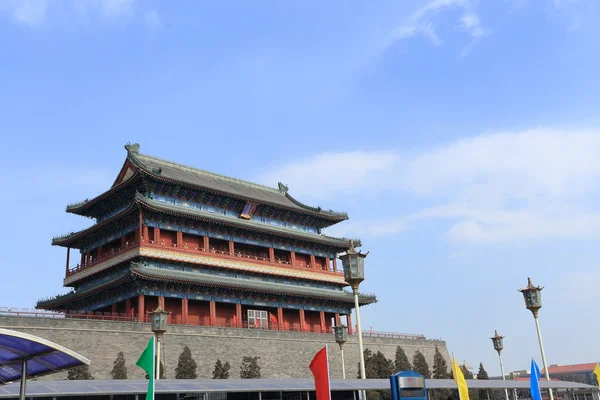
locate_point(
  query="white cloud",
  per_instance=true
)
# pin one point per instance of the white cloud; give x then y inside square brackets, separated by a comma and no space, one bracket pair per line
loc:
[537,184]
[470,23]
[420,22]
[333,172]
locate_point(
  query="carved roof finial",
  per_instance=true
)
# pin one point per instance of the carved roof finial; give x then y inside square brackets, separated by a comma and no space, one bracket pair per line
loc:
[133,148]
[282,188]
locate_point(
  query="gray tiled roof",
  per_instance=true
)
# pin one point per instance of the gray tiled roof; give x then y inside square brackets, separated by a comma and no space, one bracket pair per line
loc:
[220,183]
[242,283]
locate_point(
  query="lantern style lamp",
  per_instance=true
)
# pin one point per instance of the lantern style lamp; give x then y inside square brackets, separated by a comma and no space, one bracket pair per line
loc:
[159,327]
[497,341]
[354,273]
[341,336]
[533,302]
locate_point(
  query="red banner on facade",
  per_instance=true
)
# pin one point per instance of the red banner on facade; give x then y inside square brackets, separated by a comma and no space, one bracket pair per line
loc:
[320,370]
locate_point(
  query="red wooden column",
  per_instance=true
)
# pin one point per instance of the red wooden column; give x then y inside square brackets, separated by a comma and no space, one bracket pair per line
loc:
[123,242]
[293,257]
[335,264]
[312,260]
[144,233]
[238,313]
[82,259]
[99,253]
[141,311]
[231,247]
[327,264]
[280,323]
[323,327]
[272,254]
[113,308]
[161,302]
[337,319]
[205,243]
[213,312]
[68,256]
[184,310]
[128,307]
[349,322]
[302,321]
[157,235]
[139,230]
[179,239]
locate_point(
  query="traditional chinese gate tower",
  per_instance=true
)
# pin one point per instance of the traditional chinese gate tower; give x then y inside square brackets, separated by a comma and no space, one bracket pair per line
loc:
[213,250]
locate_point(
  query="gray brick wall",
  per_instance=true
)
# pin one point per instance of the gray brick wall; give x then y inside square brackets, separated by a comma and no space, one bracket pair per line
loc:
[282,354]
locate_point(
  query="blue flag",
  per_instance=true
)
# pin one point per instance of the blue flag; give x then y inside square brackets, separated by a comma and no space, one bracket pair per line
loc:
[534,382]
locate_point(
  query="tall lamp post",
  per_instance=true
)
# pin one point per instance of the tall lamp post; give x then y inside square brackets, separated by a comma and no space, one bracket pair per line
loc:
[498,346]
[533,302]
[341,337]
[159,327]
[354,274]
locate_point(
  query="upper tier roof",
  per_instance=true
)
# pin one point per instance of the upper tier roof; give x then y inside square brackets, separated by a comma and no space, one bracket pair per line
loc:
[164,170]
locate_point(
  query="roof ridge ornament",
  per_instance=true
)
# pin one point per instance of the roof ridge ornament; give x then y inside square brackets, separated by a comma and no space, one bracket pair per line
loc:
[132,148]
[282,188]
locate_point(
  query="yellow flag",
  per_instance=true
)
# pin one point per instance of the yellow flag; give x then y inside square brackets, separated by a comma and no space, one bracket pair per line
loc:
[463,390]
[597,372]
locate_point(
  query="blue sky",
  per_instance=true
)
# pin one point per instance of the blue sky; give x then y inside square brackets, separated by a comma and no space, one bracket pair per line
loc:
[462,137]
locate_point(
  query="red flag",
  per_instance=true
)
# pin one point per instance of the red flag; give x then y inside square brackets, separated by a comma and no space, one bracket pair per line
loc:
[273,318]
[320,370]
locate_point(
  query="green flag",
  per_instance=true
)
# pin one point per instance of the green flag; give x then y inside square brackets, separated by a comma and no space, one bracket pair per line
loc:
[146,362]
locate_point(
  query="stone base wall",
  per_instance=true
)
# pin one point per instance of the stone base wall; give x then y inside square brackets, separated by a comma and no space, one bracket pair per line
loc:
[282,354]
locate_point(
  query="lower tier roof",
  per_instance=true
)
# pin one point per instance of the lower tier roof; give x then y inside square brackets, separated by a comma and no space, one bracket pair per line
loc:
[200,279]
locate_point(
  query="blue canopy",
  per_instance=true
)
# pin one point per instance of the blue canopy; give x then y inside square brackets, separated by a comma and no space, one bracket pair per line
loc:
[42,357]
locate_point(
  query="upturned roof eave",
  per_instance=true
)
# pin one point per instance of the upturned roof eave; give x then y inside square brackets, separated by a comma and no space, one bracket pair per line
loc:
[182,211]
[314,211]
[137,270]
[67,240]
[147,273]
[82,207]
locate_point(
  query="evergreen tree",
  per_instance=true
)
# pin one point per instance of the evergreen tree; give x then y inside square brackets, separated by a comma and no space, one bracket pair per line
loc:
[81,373]
[119,370]
[186,366]
[221,370]
[420,365]
[440,368]
[482,374]
[377,366]
[467,374]
[401,362]
[250,368]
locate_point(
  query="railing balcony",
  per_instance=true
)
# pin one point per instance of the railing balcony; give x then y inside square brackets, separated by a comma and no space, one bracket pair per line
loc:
[112,252]
[236,255]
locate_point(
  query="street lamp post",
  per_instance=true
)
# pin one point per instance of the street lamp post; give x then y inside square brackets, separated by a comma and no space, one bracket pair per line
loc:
[354,274]
[533,302]
[497,340]
[159,327]
[341,337]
